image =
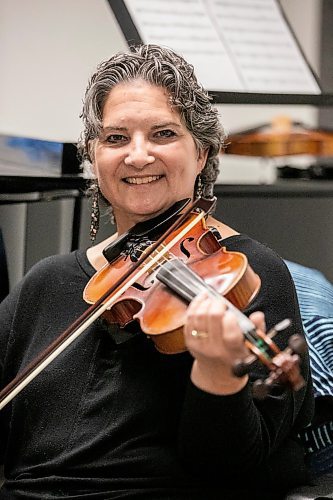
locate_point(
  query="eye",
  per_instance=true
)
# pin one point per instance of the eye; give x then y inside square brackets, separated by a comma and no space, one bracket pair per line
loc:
[165,134]
[115,138]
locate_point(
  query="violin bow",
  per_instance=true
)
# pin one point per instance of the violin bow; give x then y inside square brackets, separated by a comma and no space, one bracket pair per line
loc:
[93,312]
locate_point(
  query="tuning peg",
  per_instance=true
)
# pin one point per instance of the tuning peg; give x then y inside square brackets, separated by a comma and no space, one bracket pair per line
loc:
[279,327]
[297,344]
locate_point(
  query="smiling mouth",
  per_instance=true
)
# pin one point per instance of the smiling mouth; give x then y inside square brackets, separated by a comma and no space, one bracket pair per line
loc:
[142,180]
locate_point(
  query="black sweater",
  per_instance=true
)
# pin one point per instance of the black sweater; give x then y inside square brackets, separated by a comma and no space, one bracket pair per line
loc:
[113,418]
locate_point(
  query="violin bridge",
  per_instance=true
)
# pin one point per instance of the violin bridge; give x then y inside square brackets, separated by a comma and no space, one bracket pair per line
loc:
[164,257]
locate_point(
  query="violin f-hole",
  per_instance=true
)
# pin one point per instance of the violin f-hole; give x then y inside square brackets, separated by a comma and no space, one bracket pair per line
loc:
[183,249]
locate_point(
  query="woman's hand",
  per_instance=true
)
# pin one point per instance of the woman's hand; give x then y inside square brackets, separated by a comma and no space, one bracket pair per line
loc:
[215,340]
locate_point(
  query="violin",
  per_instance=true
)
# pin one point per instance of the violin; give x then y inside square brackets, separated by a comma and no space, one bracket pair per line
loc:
[187,263]
[185,260]
[282,137]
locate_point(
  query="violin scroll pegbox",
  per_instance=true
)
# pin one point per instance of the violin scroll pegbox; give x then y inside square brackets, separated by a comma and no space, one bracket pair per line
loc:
[283,366]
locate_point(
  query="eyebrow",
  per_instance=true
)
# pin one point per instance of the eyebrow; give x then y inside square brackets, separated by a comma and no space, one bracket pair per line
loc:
[154,127]
[110,127]
[166,124]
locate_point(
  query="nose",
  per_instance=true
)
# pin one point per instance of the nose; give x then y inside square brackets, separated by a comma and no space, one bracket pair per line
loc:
[139,154]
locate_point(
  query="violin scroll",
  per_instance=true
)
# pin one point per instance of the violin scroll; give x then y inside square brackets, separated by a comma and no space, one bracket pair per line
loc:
[284,366]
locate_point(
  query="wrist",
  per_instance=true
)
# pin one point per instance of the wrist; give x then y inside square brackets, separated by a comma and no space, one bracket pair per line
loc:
[216,378]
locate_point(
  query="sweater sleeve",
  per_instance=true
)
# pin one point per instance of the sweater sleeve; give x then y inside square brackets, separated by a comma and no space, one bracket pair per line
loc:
[237,432]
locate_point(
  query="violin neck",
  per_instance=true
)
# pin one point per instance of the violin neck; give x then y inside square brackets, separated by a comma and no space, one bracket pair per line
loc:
[187,284]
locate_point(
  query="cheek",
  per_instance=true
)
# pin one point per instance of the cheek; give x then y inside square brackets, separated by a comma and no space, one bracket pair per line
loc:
[103,165]
[106,182]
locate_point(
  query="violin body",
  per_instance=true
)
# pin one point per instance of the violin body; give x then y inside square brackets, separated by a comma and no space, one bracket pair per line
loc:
[162,313]
[282,138]
[284,144]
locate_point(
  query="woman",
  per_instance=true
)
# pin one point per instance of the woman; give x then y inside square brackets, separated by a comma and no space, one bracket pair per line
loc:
[113,417]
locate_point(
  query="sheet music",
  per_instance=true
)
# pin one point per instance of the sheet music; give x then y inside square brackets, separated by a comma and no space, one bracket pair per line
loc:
[234,45]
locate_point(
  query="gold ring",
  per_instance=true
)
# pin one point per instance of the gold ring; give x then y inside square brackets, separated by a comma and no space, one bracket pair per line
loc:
[199,335]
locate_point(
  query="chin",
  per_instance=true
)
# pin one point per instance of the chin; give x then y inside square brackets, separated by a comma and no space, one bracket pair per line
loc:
[151,207]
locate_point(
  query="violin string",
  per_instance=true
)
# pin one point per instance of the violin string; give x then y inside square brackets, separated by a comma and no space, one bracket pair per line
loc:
[179,274]
[196,285]
[163,260]
[181,279]
[151,261]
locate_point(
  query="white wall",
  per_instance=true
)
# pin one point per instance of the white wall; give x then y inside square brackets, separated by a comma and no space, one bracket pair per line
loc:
[48,49]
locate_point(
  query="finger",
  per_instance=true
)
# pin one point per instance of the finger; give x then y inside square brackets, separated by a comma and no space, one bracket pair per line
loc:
[234,337]
[197,314]
[215,315]
[258,318]
[207,313]
[198,306]
[232,331]
[198,299]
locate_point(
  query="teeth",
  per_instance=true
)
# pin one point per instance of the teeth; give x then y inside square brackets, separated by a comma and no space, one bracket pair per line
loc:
[142,180]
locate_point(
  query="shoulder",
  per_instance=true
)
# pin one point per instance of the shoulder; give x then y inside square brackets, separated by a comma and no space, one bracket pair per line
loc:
[50,275]
[261,257]
[55,283]
[277,296]
[55,266]
[273,272]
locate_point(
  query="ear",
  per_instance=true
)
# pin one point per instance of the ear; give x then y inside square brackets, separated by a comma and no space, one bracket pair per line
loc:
[202,159]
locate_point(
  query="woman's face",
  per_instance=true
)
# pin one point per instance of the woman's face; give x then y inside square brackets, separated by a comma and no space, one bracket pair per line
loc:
[145,158]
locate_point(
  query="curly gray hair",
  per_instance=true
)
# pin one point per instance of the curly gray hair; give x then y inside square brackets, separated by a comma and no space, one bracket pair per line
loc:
[162,67]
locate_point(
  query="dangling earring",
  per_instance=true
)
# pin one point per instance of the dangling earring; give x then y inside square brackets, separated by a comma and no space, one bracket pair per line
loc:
[111,215]
[198,187]
[94,218]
